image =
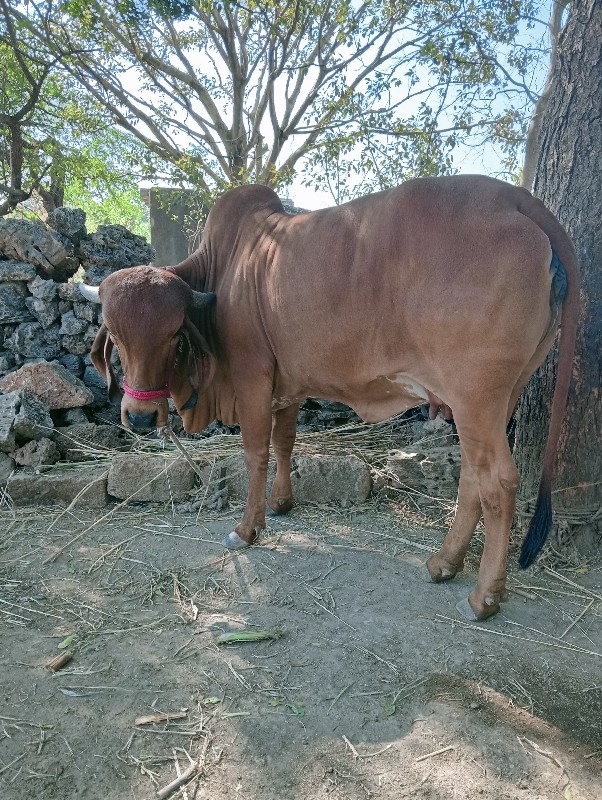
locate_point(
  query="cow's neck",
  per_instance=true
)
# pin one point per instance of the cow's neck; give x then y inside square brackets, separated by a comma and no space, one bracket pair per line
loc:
[196,271]
[217,402]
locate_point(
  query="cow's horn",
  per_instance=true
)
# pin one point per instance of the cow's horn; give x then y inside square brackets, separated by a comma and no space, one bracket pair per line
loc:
[202,299]
[90,292]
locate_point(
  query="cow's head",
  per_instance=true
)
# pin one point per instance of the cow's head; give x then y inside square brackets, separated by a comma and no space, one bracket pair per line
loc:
[146,315]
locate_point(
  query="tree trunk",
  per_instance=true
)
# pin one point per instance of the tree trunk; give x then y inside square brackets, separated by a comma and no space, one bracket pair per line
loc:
[569,181]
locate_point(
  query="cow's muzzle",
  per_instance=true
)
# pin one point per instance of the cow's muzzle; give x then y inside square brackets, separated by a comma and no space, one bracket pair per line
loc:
[142,421]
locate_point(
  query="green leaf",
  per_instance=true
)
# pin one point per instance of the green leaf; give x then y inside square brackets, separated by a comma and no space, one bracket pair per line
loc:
[389,709]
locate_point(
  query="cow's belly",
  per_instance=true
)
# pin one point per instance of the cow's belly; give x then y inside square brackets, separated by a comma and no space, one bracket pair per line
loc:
[374,400]
[386,396]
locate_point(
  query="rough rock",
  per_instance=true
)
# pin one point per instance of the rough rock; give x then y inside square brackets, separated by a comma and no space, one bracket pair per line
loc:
[59,487]
[112,247]
[73,363]
[433,432]
[22,417]
[71,325]
[68,291]
[16,271]
[33,243]
[13,307]
[325,414]
[96,385]
[70,222]
[71,416]
[326,479]
[8,409]
[31,340]
[32,420]
[35,453]
[51,382]
[7,466]
[314,479]
[433,471]
[45,311]
[43,289]
[86,441]
[87,311]
[129,474]
[7,362]
[80,344]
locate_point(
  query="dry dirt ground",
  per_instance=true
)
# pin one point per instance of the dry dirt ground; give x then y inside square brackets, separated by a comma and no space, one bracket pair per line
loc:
[376,687]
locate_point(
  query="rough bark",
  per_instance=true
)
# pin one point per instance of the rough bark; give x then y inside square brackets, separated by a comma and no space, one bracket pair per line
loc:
[569,181]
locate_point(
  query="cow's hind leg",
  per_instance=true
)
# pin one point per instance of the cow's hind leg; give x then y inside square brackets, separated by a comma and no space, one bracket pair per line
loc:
[284,430]
[449,559]
[486,449]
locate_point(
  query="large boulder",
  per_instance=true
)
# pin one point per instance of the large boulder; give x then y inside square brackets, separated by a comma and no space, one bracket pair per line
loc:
[51,382]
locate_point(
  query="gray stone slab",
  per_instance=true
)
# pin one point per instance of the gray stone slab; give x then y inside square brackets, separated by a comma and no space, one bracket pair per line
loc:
[153,477]
[314,478]
[59,486]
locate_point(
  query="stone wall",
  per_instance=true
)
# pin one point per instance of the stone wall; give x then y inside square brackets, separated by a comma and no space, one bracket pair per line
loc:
[42,314]
[47,381]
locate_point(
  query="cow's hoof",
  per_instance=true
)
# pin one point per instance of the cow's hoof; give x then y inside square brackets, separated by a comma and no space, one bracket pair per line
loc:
[439,571]
[281,506]
[444,575]
[234,542]
[488,609]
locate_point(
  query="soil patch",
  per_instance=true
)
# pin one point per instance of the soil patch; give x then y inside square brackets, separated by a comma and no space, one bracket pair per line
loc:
[376,688]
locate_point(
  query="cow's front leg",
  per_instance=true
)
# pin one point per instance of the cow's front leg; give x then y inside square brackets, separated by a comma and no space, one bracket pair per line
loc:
[255,419]
[284,430]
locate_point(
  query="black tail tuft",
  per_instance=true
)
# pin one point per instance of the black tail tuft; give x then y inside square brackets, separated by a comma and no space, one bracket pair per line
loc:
[538,530]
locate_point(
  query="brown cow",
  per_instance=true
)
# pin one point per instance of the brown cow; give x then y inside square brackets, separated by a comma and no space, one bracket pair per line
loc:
[445,290]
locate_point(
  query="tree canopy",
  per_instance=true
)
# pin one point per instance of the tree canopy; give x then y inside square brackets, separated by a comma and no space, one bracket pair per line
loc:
[349,92]
[56,143]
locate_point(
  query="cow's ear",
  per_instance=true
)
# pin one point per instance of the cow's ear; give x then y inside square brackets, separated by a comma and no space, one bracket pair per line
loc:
[201,361]
[101,358]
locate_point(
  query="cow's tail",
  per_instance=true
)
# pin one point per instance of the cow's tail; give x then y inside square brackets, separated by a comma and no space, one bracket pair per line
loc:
[564,249]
